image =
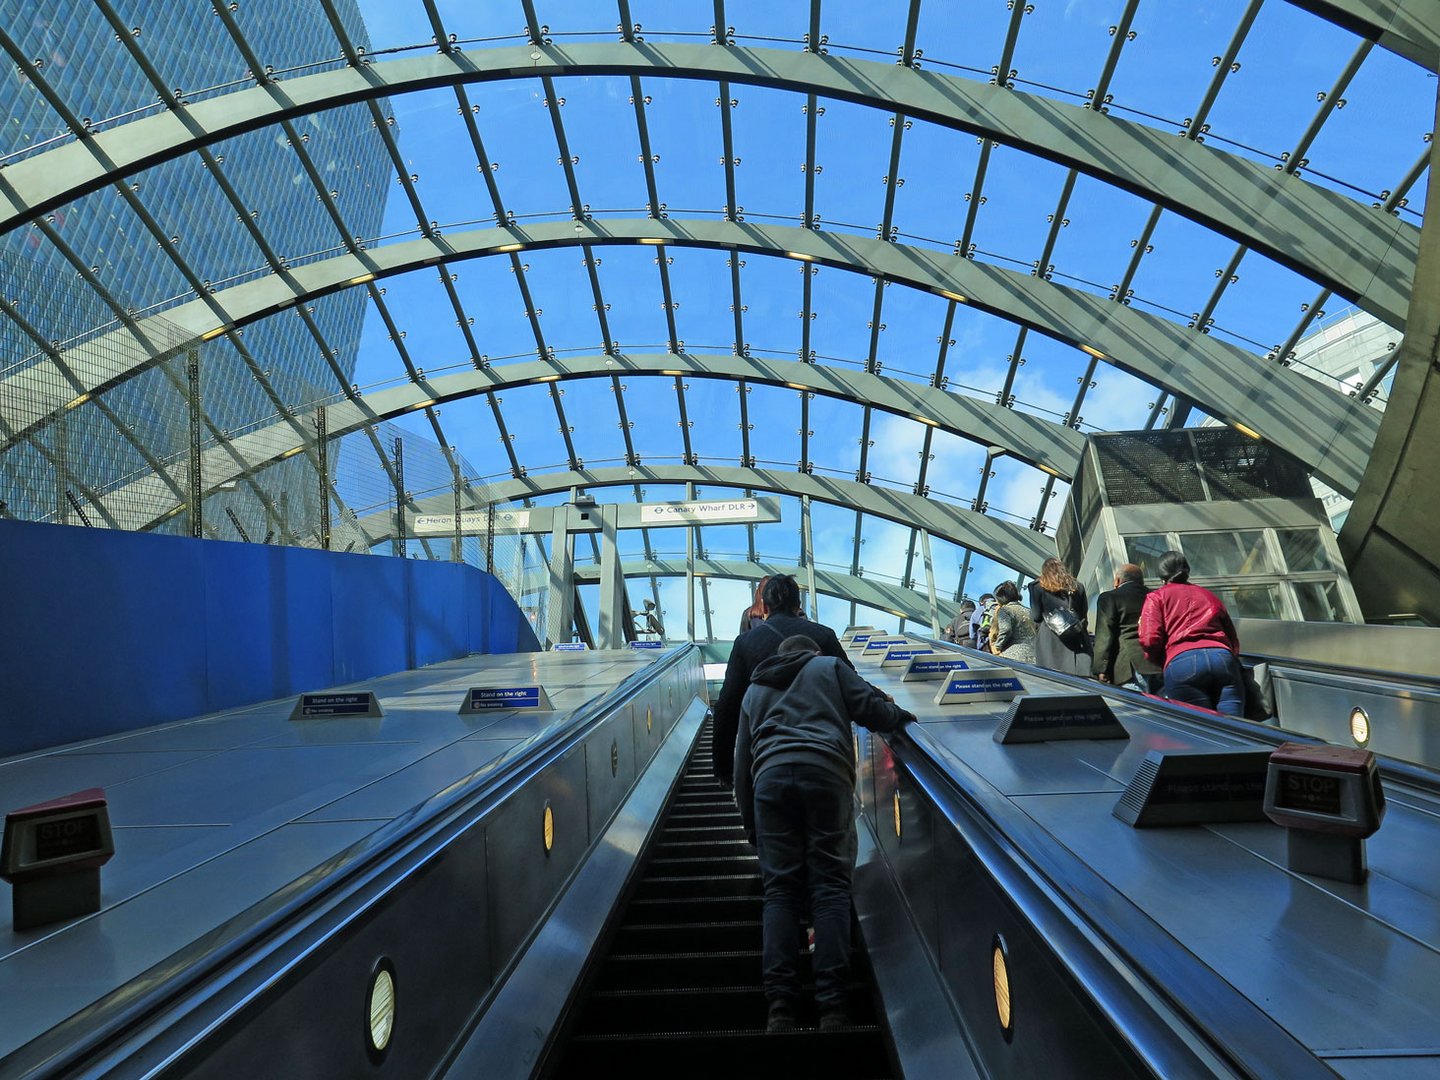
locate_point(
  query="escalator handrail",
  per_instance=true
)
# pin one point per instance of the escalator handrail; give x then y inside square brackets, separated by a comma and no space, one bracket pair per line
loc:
[1126,962]
[1422,779]
[317,901]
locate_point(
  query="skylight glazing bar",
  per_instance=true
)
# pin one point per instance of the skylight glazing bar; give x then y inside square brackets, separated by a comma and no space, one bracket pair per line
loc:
[1291,162]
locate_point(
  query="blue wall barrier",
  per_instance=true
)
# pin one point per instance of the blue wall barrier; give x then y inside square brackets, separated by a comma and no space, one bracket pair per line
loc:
[107,631]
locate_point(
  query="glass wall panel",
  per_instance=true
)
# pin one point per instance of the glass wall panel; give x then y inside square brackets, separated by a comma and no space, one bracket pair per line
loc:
[1303,550]
[1250,601]
[1145,552]
[1320,601]
[1219,554]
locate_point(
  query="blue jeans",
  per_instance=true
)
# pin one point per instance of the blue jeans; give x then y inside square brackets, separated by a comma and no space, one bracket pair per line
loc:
[1210,678]
[805,832]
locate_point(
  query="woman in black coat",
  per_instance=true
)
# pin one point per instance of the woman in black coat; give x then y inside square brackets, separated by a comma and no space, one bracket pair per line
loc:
[1058,589]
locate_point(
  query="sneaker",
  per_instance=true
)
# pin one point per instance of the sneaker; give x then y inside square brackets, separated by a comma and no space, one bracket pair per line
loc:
[782,1017]
[832,1020]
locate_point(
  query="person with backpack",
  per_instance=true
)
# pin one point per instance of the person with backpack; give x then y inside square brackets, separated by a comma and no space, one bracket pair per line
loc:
[980,623]
[795,789]
[782,602]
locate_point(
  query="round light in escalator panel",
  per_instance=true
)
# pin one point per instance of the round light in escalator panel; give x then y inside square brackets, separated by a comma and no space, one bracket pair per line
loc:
[1000,974]
[381,1023]
[1359,726]
[549,828]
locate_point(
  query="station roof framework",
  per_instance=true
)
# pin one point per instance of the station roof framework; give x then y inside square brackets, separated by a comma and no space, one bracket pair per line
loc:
[921,246]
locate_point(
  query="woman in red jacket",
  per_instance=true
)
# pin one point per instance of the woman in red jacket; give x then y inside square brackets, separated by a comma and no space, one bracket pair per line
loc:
[1187,629]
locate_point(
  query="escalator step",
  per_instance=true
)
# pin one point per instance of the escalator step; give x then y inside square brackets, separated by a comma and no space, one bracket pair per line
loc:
[858,1052]
[692,909]
[660,971]
[705,867]
[702,849]
[652,888]
[719,1008]
[642,938]
[700,1008]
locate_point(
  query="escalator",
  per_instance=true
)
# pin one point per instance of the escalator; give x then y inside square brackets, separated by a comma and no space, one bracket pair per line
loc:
[679,992]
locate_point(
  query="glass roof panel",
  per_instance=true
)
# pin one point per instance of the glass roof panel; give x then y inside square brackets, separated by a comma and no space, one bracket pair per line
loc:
[1163,76]
[1062,47]
[700,284]
[590,405]
[1020,193]
[769,140]
[771,294]
[631,285]
[652,407]
[1289,58]
[519,140]
[852,158]
[600,130]
[909,342]
[775,421]
[713,407]
[489,291]
[535,438]
[684,124]
[835,445]
[1098,235]
[1375,137]
[842,301]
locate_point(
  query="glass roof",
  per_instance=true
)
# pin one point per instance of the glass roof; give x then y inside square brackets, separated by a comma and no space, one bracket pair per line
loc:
[683,117]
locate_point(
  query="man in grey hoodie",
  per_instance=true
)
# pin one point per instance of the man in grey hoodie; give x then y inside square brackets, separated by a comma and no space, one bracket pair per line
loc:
[795,788]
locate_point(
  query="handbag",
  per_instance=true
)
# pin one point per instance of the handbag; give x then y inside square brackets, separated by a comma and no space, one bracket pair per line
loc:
[1065,625]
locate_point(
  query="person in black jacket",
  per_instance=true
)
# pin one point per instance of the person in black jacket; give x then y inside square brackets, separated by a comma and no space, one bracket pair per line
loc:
[1056,588]
[782,600]
[795,789]
[1118,657]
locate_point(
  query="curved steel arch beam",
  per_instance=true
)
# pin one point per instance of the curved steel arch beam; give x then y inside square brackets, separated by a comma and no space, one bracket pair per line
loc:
[1048,445]
[881,595]
[1357,251]
[1012,545]
[1406,27]
[1324,429]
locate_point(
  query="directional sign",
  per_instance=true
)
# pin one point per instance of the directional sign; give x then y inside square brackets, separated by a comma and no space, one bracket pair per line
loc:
[647,644]
[859,640]
[879,644]
[569,646]
[472,522]
[902,657]
[489,698]
[350,703]
[967,687]
[700,513]
[926,669]
[1048,717]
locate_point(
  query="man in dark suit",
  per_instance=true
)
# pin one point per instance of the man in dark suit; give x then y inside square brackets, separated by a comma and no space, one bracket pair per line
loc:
[782,600]
[1118,657]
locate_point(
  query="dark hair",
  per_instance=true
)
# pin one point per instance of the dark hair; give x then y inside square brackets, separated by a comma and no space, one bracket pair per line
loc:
[1174,567]
[986,596]
[967,605]
[1007,592]
[782,595]
[798,643]
[1130,572]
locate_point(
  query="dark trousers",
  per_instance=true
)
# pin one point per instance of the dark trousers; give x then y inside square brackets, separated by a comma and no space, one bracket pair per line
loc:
[1207,677]
[805,832]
